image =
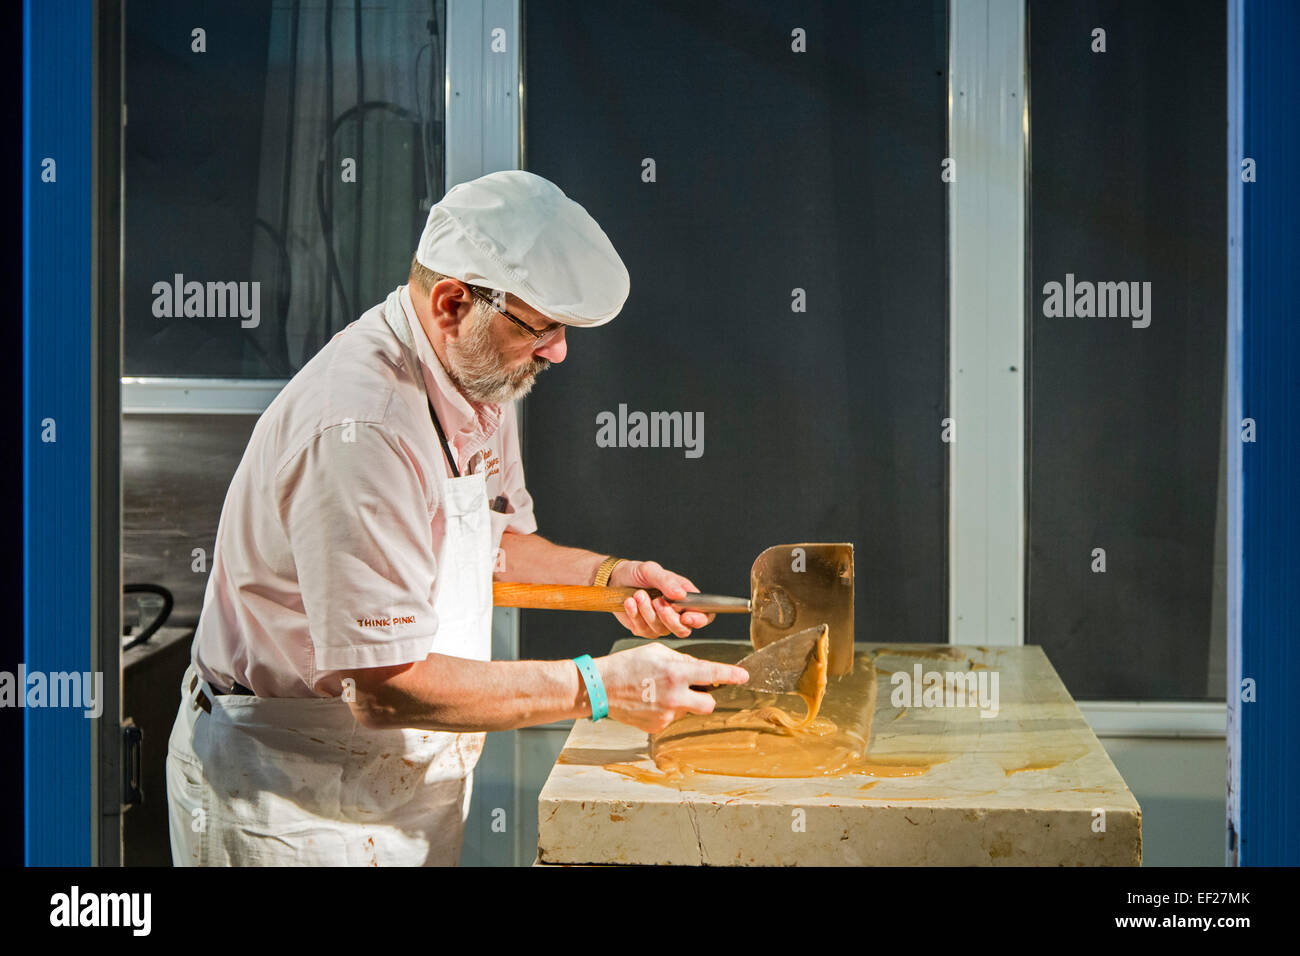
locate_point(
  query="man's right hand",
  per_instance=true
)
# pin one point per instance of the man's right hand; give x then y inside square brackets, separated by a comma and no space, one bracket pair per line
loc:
[649,687]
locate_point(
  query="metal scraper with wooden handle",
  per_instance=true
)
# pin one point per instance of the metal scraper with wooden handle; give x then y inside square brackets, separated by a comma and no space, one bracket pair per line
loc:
[581,597]
[791,586]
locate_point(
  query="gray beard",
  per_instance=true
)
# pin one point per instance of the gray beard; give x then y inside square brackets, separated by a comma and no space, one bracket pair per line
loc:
[476,366]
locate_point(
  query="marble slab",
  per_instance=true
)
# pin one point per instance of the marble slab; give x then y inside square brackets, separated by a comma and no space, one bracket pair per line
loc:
[1029,785]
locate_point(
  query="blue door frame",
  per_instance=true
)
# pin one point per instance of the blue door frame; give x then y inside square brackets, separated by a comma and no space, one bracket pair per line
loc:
[57,404]
[1264,473]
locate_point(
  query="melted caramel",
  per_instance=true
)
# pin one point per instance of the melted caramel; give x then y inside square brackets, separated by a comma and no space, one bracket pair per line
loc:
[1040,765]
[749,735]
[938,653]
[888,767]
[1042,760]
[812,682]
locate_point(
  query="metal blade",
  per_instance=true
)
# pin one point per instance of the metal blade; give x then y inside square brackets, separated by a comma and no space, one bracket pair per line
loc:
[776,668]
[794,586]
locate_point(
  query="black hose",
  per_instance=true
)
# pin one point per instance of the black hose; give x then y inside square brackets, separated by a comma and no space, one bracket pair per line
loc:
[419,114]
[278,364]
[168,603]
[324,174]
[434,138]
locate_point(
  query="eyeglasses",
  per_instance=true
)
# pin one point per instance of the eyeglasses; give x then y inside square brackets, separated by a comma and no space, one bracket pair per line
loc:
[540,338]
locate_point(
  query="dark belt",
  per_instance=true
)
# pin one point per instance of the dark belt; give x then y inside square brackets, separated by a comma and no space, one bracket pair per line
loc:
[237,690]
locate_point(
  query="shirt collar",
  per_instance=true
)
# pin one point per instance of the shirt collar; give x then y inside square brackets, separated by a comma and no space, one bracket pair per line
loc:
[468,424]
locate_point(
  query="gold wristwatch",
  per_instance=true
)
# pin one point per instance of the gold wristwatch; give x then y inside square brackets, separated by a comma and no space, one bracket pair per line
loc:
[606,570]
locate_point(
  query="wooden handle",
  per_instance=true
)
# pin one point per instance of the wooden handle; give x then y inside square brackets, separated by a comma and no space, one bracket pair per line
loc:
[580,597]
[562,597]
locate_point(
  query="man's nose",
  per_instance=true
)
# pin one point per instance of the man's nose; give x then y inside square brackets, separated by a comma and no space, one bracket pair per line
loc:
[554,352]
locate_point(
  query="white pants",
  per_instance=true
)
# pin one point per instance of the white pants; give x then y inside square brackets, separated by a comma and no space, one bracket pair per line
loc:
[284,782]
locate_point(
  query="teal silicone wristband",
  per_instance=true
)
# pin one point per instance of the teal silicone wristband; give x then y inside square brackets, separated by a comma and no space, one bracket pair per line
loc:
[595,686]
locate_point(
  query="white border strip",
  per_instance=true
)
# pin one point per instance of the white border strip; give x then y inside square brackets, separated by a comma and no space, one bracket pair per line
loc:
[198,396]
[987,130]
[1129,718]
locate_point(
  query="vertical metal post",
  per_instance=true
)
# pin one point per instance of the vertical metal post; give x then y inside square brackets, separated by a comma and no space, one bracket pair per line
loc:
[484,49]
[483,135]
[988,131]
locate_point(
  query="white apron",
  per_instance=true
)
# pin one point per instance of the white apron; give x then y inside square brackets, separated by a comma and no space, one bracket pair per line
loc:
[297,781]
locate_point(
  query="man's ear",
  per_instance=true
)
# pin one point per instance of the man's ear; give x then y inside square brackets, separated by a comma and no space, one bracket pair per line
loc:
[450,303]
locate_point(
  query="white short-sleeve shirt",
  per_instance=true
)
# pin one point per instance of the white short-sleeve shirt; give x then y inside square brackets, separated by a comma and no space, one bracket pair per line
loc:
[333,522]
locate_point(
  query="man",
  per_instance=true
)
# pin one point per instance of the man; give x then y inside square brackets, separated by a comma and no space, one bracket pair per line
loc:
[341,685]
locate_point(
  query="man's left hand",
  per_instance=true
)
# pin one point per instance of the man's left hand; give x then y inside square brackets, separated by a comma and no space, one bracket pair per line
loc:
[655,618]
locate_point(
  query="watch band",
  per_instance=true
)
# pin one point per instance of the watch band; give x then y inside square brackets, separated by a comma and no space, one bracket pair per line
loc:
[606,571]
[595,686]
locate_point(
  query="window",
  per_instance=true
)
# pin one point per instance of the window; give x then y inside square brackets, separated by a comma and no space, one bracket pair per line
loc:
[280,161]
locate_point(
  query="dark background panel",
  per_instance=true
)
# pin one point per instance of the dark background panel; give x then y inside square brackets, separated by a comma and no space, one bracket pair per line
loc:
[193,144]
[1127,156]
[775,171]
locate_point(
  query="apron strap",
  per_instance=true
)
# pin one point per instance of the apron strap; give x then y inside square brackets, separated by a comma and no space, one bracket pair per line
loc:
[395,318]
[446,450]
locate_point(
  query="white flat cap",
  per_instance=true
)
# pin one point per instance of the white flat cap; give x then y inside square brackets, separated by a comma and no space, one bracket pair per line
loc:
[517,232]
